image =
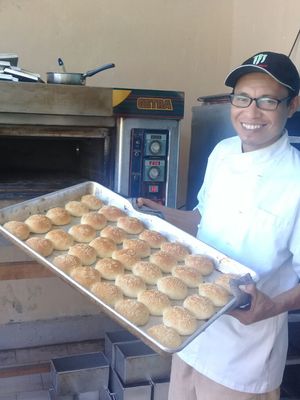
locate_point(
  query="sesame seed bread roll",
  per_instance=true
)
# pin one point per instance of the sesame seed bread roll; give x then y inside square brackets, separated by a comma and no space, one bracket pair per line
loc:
[134,311]
[86,276]
[66,262]
[130,285]
[165,261]
[166,336]
[189,275]
[82,233]
[104,247]
[130,225]
[60,239]
[177,250]
[180,319]
[76,208]
[224,280]
[141,248]
[203,263]
[92,201]
[114,233]
[173,287]
[41,245]
[109,268]
[38,223]
[107,292]
[153,238]
[94,219]
[58,216]
[127,257]
[18,229]
[155,301]
[201,307]
[111,213]
[87,254]
[217,294]
[149,272]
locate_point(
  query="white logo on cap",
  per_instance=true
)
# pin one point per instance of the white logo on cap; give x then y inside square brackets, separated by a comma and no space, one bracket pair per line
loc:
[259,58]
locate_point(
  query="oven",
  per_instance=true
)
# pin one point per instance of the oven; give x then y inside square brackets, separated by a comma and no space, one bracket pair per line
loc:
[55,136]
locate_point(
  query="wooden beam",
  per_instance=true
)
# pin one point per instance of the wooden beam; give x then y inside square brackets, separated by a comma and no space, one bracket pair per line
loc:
[23,270]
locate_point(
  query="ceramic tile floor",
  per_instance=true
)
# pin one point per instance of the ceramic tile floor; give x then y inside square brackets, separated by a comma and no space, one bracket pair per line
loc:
[36,386]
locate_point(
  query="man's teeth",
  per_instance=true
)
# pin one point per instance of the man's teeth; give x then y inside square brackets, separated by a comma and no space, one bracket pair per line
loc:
[251,126]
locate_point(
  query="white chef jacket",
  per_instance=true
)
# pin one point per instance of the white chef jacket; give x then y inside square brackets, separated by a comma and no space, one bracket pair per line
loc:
[250,208]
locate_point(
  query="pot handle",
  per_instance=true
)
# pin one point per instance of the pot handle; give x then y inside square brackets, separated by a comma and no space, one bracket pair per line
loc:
[96,70]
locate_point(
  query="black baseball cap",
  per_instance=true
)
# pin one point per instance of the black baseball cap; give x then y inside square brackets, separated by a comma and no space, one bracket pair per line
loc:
[278,66]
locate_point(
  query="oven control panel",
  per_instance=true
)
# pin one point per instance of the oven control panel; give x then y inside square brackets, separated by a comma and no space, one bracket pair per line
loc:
[148,163]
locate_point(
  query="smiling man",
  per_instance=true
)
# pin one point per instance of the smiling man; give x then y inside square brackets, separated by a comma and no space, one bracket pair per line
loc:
[249,209]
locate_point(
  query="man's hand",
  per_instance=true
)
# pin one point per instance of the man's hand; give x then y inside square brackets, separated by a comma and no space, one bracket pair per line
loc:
[262,307]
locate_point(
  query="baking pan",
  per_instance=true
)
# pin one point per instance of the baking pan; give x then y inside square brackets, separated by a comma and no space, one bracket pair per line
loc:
[137,363]
[111,339]
[223,264]
[79,373]
[141,391]
[160,389]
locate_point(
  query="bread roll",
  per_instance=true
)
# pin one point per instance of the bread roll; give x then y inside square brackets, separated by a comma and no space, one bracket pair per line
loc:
[165,261]
[166,336]
[59,216]
[180,319]
[18,229]
[84,252]
[114,233]
[109,268]
[107,292]
[130,285]
[76,208]
[86,276]
[189,275]
[133,310]
[92,201]
[224,280]
[127,257]
[111,213]
[104,247]
[153,238]
[60,239]
[177,250]
[41,245]
[201,307]
[217,294]
[141,248]
[130,225]
[203,263]
[155,301]
[38,223]
[82,233]
[66,262]
[173,287]
[94,219]
[148,271]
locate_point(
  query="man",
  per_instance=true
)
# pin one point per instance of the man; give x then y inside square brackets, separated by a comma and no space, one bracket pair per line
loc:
[249,209]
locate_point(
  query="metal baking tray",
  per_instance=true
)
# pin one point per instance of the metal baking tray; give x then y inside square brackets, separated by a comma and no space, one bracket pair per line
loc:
[223,264]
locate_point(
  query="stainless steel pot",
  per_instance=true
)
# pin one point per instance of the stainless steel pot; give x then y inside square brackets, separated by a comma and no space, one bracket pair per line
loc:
[74,78]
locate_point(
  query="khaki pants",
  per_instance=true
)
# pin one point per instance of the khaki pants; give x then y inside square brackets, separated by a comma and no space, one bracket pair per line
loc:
[188,384]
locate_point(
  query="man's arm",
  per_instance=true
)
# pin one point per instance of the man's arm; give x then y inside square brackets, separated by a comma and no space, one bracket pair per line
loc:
[186,220]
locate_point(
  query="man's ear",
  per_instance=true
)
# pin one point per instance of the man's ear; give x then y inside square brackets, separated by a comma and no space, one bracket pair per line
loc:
[294,105]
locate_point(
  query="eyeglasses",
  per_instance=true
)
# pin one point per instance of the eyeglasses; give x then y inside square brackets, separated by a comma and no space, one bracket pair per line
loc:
[264,103]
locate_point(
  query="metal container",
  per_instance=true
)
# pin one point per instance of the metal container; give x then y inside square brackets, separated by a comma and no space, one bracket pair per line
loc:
[160,389]
[129,392]
[223,264]
[79,373]
[111,339]
[137,363]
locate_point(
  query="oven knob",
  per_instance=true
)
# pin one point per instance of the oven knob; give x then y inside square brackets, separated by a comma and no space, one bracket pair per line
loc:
[153,173]
[155,147]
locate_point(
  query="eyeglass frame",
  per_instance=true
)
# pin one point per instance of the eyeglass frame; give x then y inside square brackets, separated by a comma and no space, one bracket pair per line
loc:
[256,99]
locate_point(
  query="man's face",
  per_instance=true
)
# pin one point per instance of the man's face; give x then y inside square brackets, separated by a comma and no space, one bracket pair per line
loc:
[259,128]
